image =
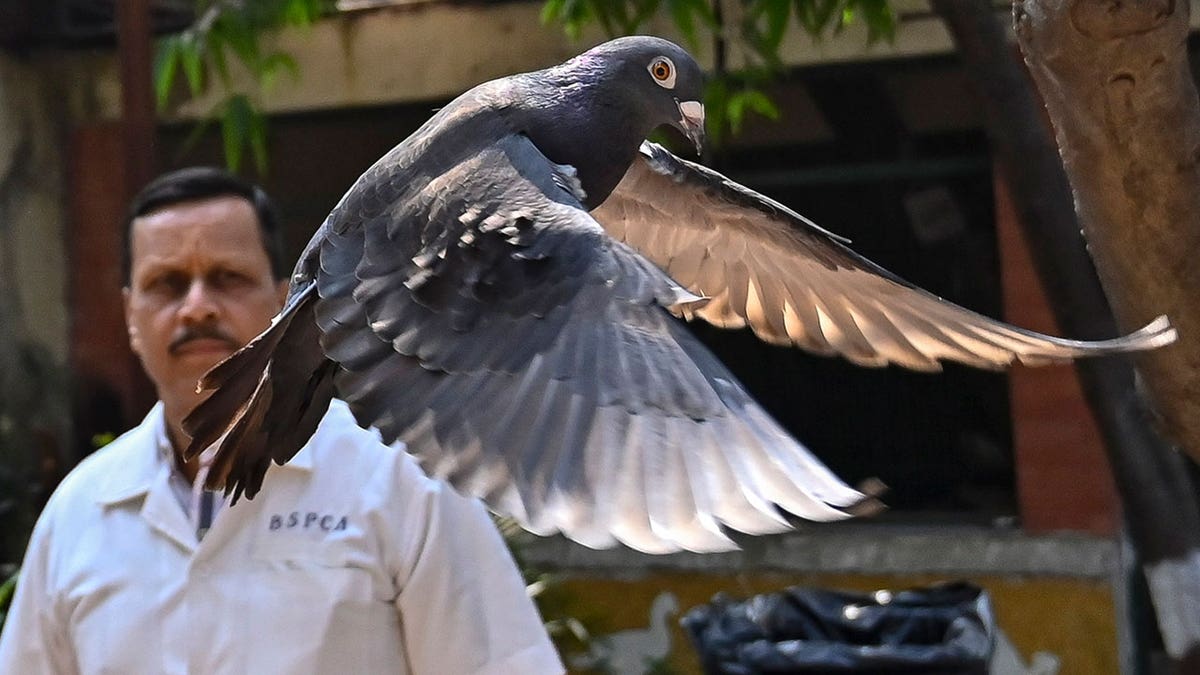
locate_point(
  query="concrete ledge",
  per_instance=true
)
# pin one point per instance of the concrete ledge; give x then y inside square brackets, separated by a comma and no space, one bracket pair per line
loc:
[862,549]
[433,50]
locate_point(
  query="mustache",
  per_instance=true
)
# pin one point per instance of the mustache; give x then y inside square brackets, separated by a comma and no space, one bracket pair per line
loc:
[201,332]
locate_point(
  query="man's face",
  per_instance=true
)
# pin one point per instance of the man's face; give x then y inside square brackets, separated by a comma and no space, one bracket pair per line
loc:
[200,287]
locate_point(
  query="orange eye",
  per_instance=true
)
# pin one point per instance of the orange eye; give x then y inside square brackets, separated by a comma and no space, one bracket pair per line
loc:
[663,72]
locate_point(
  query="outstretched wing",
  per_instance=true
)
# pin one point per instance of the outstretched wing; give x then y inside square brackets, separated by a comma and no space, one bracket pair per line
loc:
[529,360]
[769,268]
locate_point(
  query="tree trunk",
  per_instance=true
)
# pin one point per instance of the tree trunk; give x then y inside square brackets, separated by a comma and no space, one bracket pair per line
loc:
[1115,79]
[1159,501]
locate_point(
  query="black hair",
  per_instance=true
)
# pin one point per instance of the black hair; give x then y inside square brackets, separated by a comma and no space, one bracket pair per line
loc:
[202,182]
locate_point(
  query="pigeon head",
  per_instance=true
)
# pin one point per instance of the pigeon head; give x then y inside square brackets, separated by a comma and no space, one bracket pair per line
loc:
[593,111]
[659,81]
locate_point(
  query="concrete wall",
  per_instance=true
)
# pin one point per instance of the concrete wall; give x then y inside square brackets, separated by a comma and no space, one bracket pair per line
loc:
[1057,599]
[429,51]
[32,221]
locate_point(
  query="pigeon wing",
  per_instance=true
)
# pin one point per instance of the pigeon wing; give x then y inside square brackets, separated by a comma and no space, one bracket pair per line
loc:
[529,359]
[767,267]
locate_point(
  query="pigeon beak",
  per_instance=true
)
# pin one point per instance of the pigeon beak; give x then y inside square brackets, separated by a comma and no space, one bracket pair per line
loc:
[691,120]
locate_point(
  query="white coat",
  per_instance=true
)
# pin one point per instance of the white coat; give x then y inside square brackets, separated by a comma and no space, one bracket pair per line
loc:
[350,560]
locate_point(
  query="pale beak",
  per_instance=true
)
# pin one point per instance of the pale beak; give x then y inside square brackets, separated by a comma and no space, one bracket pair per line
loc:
[691,120]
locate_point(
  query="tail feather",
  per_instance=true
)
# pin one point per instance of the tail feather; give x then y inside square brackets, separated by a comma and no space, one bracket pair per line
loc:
[296,407]
[240,451]
[268,399]
[235,385]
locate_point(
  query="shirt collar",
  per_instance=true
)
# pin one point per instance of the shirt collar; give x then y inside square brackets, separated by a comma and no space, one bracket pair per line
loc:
[134,477]
[152,451]
[302,460]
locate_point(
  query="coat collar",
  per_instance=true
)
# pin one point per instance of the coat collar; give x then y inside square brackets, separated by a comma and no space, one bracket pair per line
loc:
[140,463]
[144,460]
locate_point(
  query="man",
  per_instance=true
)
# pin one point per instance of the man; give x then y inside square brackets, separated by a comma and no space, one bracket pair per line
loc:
[350,561]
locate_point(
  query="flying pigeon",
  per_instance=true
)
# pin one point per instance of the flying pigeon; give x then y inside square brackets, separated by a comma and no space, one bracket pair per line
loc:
[497,290]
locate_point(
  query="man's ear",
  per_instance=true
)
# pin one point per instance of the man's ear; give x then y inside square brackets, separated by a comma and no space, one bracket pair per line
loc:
[134,339]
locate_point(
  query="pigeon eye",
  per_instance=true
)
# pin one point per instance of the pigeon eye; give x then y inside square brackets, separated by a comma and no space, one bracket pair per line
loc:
[663,72]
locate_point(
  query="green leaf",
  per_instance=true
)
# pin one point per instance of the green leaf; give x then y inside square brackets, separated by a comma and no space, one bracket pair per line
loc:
[735,110]
[682,17]
[7,590]
[166,57]
[716,103]
[704,11]
[827,15]
[216,49]
[880,20]
[240,37]
[102,439]
[552,10]
[235,128]
[573,14]
[274,64]
[847,16]
[760,103]
[685,13]
[816,15]
[603,13]
[804,14]
[776,13]
[763,27]
[299,13]
[644,10]
[620,17]
[191,54]
[202,125]
[258,141]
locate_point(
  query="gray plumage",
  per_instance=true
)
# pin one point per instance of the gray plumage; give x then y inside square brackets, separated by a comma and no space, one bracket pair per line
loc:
[496,292]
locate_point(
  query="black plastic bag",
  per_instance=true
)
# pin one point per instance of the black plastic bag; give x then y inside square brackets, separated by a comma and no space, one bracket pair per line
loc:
[948,628]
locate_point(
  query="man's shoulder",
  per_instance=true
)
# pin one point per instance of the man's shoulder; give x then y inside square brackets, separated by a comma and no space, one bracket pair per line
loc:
[137,443]
[340,446]
[340,433]
[134,447]
[133,451]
